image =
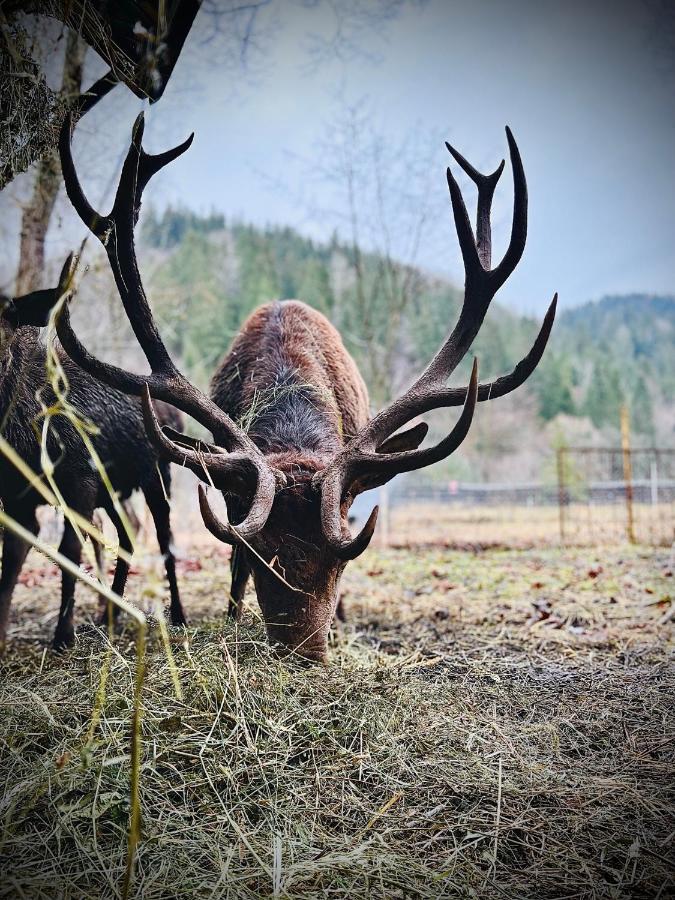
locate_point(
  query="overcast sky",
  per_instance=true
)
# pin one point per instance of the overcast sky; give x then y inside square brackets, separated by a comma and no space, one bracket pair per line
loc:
[587,88]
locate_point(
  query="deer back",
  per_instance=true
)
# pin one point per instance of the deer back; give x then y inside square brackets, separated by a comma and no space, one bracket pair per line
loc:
[290,382]
[25,392]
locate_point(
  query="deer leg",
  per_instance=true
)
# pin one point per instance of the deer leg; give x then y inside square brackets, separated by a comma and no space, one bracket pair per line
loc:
[82,502]
[160,509]
[108,613]
[14,552]
[240,570]
[71,548]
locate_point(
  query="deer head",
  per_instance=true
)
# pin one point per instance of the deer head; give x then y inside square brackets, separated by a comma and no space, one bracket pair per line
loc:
[30,310]
[266,507]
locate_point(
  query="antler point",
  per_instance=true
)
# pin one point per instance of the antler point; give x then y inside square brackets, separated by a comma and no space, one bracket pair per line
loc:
[138,129]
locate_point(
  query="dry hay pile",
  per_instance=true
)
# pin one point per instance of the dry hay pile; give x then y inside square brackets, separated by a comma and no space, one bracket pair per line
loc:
[30,112]
[505,730]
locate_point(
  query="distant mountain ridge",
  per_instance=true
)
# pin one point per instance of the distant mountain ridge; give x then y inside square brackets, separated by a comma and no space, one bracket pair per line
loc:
[210,274]
[625,304]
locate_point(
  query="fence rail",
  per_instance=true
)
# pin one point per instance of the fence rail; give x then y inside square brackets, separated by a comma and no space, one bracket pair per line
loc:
[598,497]
[587,506]
[637,492]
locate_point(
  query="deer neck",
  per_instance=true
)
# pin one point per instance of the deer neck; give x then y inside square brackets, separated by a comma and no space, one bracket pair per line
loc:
[16,366]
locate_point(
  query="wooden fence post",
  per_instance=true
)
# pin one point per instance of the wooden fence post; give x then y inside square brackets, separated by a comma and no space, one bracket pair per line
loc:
[627,474]
[560,460]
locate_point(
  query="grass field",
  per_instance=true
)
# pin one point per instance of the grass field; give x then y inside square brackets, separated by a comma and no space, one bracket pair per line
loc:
[519,525]
[494,724]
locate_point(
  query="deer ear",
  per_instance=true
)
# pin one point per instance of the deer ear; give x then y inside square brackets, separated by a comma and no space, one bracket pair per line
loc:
[31,309]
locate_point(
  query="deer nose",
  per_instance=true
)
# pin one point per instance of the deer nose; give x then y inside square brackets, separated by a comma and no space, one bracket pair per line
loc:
[307,655]
[310,649]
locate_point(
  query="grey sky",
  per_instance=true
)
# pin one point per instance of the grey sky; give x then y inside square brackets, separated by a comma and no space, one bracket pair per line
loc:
[587,88]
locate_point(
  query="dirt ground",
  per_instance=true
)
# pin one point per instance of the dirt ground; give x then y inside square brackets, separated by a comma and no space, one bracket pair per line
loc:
[493,723]
[576,598]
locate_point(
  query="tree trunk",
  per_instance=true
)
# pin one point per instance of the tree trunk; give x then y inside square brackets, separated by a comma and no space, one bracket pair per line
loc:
[38,212]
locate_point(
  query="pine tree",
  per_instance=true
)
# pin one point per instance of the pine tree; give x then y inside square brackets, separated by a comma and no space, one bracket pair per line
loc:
[604,396]
[641,408]
[553,385]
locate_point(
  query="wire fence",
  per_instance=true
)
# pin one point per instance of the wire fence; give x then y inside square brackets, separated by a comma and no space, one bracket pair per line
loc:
[598,496]
[615,494]
[587,501]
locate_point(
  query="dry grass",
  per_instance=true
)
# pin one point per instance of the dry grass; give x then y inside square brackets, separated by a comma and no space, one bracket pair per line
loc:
[493,725]
[519,525]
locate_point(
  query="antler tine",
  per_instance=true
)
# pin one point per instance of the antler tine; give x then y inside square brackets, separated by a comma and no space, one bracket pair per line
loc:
[486,185]
[193,403]
[151,163]
[481,283]
[94,221]
[109,374]
[212,464]
[373,469]
[116,233]
[467,243]
[139,167]
[405,440]
[363,470]
[480,288]
[345,548]
[120,246]
[391,464]
[519,224]
[223,531]
[505,383]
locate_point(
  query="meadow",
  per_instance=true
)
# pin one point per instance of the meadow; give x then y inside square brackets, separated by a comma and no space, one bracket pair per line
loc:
[496,723]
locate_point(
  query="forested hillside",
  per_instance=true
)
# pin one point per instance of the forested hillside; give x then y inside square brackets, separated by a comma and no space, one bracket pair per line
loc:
[207,275]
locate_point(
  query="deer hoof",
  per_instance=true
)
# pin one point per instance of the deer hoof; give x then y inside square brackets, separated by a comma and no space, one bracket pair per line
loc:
[64,638]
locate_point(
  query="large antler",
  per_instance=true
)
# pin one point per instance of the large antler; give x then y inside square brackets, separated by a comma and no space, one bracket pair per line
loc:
[373,456]
[243,467]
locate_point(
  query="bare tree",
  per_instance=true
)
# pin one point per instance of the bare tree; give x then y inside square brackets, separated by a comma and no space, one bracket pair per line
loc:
[37,212]
[384,210]
[141,47]
[350,22]
[348,26]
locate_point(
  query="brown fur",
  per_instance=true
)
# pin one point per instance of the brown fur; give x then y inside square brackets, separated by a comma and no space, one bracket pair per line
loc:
[290,380]
[292,333]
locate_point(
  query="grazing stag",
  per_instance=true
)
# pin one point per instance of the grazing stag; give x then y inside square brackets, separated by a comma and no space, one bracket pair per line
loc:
[121,443]
[309,446]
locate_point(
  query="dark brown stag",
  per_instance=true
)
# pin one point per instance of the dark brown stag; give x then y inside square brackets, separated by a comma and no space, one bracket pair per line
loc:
[293,442]
[130,461]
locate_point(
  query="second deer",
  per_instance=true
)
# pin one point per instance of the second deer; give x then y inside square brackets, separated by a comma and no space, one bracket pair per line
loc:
[130,460]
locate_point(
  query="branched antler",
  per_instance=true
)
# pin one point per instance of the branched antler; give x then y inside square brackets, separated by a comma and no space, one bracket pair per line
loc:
[236,463]
[380,450]
[376,453]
